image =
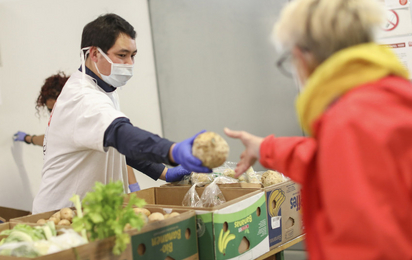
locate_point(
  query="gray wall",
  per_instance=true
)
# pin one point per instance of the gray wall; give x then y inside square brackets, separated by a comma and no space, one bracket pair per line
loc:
[215,67]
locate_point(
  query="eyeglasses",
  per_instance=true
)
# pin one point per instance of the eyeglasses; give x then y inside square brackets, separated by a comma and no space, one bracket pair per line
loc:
[284,64]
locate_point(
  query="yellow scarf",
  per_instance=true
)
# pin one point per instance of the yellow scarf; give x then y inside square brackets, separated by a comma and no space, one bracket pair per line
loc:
[340,73]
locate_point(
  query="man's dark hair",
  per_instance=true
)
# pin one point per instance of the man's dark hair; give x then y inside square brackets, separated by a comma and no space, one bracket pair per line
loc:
[103,31]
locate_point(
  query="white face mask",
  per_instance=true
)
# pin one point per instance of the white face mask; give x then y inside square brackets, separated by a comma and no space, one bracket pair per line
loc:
[119,74]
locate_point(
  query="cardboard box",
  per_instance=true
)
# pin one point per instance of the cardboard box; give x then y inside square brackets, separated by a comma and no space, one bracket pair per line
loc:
[9,213]
[228,185]
[284,212]
[241,185]
[172,238]
[96,250]
[243,215]
[286,223]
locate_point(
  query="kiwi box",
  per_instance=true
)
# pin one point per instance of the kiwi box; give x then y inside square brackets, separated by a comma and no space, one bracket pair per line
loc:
[236,229]
[172,238]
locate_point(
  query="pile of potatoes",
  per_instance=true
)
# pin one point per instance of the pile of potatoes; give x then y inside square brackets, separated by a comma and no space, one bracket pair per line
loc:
[155,216]
[151,217]
[62,217]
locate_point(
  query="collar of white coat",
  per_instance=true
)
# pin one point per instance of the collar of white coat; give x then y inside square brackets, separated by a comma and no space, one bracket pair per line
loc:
[103,85]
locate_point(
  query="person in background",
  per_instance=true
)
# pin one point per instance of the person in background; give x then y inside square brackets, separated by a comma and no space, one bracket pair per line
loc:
[355,166]
[88,139]
[48,94]
[47,98]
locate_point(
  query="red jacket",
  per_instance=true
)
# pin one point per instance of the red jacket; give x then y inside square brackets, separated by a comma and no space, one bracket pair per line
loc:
[356,174]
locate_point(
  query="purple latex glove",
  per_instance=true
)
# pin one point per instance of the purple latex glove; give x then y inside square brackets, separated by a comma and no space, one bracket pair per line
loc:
[182,154]
[176,173]
[134,187]
[19,136]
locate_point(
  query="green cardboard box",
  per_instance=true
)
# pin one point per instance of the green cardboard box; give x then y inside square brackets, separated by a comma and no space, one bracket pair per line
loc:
[172,238]
[236,229]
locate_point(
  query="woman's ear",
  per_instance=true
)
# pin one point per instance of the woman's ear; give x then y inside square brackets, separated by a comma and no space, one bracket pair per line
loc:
[304,62]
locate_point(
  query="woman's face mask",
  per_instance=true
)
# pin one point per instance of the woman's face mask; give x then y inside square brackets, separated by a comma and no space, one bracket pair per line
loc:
[119,73]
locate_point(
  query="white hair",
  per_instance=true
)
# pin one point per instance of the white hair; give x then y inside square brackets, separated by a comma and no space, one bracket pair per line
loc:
[324,27]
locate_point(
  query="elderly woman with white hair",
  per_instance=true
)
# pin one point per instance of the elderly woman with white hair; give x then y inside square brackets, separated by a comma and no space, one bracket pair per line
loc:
[355,104]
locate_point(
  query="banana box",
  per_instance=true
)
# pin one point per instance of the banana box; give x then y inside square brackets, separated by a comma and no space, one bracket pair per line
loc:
[236,229]
[284,212]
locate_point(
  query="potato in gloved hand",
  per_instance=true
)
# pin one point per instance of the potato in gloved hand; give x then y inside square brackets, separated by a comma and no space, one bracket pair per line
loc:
[211,149]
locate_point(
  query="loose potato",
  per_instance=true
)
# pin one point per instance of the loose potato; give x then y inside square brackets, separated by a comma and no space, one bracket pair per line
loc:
[41,221]
[142,210]
[57,215]
[171,215]
[156,216]
[145,219]
[211,149]
[64,222]
[55,220]
[67,214]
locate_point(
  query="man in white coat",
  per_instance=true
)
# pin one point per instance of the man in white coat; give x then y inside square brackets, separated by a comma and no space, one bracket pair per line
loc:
[88,138]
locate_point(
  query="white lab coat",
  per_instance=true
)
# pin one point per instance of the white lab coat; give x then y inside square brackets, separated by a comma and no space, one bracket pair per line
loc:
[74,156]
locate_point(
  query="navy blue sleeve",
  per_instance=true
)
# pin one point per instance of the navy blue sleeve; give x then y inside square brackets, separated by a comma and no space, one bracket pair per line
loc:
[153,170]
[136,144]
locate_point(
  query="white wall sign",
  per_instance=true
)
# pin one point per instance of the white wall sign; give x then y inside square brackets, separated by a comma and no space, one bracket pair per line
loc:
[396,3]
[398,22]
[402,46]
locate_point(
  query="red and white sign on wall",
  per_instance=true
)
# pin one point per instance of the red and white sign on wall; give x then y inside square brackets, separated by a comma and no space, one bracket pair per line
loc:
[397,30]
[396,3]
[398,22]
[392,21]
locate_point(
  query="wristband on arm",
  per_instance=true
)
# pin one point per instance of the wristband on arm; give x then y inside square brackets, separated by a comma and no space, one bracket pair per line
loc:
[31,139]
[24,139]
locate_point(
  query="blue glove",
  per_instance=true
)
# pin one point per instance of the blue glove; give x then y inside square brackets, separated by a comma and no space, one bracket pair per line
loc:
[19,136]
[182,154]
[176,173]
[134,187]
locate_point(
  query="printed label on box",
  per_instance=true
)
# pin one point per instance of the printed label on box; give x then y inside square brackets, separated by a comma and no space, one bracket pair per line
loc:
[276,222]
[275,199]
